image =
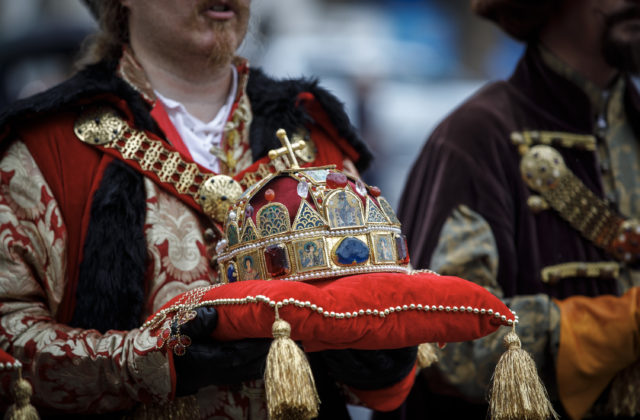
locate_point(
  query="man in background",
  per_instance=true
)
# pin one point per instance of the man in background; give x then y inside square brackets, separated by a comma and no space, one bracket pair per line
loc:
[531,188]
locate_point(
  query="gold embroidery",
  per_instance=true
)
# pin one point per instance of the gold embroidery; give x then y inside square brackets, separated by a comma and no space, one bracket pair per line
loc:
[544,171]
[554,273]
[537,203]
[528,138]
[308,152]
[151,155]
[235,155]
[170,165]
[251,178]
[98,127]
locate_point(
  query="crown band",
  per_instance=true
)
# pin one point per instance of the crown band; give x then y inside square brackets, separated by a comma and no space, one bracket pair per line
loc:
[320,253]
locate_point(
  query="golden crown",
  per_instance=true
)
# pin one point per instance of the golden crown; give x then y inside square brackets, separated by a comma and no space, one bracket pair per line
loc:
[309,223]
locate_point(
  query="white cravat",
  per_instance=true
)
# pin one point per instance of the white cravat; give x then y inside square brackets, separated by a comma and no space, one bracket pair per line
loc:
[199,136]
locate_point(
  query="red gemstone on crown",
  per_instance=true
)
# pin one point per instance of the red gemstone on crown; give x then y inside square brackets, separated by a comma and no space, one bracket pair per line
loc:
[336,180]
[375,191]
[269,195]
[277,260]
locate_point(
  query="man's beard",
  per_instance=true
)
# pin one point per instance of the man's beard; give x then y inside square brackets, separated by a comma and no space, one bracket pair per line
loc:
[224,49]
[228,39]
[621,53]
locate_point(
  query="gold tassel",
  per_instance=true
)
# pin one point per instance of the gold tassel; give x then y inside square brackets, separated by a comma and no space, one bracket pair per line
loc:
[289,385]
[624,396]
[427,355]
[22,409]
[517,393]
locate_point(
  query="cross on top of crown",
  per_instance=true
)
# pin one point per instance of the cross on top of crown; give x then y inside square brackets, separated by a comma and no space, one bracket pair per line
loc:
[287,149]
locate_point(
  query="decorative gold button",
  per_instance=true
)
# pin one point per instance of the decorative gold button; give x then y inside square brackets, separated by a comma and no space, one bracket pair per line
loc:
[217,194]
[99,125]
[541,167]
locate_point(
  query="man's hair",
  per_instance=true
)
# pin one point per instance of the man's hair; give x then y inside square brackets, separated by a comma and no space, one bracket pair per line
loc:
[522,19]
[106,44]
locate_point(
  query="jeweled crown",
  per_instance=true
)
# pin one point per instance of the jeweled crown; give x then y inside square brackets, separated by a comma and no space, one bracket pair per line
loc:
[310,223]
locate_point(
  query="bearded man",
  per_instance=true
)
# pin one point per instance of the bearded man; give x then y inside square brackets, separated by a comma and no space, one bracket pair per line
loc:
[102,224]
[531,188]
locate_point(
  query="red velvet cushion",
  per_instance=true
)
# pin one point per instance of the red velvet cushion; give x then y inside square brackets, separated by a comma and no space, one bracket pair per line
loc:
[6,358]
[374,292]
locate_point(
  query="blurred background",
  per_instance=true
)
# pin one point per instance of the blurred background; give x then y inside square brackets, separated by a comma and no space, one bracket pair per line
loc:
[398,65]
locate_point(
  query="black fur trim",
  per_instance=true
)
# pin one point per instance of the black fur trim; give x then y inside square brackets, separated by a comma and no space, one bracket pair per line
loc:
[273,103]
[95,80]
[110,292]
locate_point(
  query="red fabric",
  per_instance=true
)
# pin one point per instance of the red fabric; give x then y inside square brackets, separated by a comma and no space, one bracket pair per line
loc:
[159,113]
[187,198]
[323,132]
[6,357]
[365,291]
[387,399]
[286,193]
[58,153]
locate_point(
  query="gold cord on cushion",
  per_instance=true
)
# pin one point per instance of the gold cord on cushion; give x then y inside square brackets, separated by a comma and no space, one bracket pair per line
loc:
[164,317]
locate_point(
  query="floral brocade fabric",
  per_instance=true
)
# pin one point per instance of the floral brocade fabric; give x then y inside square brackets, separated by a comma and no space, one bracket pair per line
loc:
[63,363]
[33,276]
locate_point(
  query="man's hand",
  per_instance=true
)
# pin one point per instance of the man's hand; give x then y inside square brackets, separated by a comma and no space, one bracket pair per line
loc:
[209,362]
[370,369]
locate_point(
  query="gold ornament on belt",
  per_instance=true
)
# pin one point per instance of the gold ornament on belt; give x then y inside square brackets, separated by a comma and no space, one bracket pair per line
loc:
[544,171]
[102,126]
[99,125]
[218,193]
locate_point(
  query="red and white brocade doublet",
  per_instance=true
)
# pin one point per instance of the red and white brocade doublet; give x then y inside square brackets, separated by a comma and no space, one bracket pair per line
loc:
[71,369]
[76,370]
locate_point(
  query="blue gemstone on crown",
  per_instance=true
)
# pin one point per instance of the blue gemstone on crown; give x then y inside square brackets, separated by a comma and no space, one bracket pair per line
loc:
[232,275]
[351,251]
